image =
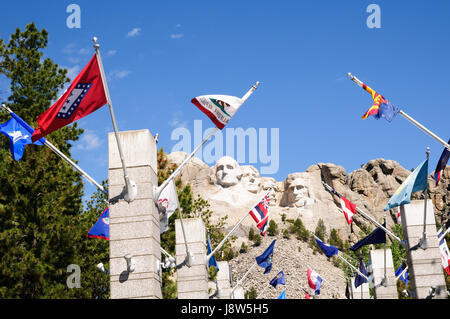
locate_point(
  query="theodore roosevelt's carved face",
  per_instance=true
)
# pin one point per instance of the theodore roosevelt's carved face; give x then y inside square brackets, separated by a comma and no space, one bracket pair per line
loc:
[228,172]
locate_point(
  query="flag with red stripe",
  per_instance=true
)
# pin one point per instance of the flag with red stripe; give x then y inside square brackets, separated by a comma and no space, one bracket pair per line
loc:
[219,108]
[260,214]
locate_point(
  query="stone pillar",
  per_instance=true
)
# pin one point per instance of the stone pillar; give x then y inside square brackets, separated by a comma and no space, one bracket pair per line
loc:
[377,269]
[134,227]
[223,280]
[192,282]
[425,267]
[362,292]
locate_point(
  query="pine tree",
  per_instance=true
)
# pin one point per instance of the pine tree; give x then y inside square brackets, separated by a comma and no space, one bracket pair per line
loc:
[40,195]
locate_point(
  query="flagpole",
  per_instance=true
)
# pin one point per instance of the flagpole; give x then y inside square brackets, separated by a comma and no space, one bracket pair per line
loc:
[423,242]
[130,186]
[159,189]
[406,116]
[68,160]
[232,230]
[385,279]
[353,267]
[189,256]
[264,290]
[242,279]
[330,189]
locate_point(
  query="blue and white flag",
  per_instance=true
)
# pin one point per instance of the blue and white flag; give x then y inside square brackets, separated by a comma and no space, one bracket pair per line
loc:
[328,250]
[101,227]
[212,260]
[404,276]
[278,279]
[19,134]
[416,181]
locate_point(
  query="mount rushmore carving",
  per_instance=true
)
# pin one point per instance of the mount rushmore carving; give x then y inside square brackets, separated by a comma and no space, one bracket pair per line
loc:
[232,190]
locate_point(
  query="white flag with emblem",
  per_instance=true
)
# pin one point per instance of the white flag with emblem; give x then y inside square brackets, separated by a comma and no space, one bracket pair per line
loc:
[219,108]
[167,204]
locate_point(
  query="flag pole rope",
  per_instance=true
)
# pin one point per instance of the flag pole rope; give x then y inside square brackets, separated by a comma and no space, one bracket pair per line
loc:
[406,116]
[68,160]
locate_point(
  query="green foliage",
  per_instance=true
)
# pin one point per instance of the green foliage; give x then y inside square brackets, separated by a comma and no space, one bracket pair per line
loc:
[299,230]
[283,217]
[251,294]
[286,234]
[42,225]
[273,228]
[168,286]
[244,248]
[257,240]
[212,273]
[320,230]
[251,234]
[336,240]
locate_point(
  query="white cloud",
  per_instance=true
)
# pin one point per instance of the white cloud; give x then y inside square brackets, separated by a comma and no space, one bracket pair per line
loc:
[134,33]
[176,36]
[111,52]
[176,120]
[85,51]
[73,71]
[119,74]
[89,141]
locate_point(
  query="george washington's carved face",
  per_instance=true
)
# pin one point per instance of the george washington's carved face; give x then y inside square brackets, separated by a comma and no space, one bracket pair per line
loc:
[228,172]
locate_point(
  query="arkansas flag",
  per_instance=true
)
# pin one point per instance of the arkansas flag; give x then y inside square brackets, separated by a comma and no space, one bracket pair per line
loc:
[85,95]
[314,281]
[349,209]
[219,108]
[260,214]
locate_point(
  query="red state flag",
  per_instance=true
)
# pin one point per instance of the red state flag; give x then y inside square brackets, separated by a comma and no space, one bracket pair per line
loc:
[85,95]
[349,209]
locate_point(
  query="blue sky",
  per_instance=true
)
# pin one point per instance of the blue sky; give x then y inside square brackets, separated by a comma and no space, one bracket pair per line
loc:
[158,56]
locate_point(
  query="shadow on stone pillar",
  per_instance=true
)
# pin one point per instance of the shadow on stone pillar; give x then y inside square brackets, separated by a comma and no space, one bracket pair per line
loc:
[134,226]
[192,282]
[377,268]
[425,267]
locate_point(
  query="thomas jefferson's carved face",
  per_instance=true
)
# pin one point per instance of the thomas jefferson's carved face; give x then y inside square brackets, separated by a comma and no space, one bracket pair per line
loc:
[251,179]
[228,172]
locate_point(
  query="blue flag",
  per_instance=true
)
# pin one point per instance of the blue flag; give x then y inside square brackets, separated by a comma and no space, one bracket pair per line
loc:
[443,160]
[416,181]
[403,277]
[283,295]
[378,236]
[19,134]
[278,279]
[101,227]
[359,280]
[388,111]
[212,260]
[328,250]
[265,260]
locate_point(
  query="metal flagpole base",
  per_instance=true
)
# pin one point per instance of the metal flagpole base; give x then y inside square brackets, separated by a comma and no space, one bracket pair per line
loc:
[189,259]
[131,191]
[423,242]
